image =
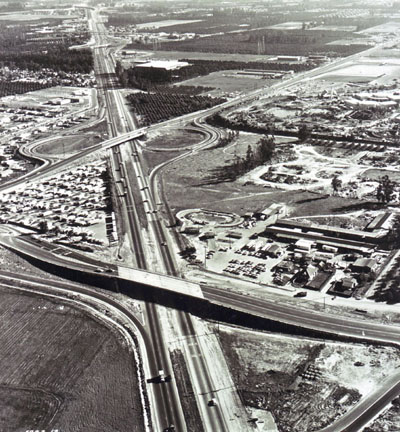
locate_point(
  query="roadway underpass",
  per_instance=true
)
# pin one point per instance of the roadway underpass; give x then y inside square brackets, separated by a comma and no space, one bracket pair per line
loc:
[210,303]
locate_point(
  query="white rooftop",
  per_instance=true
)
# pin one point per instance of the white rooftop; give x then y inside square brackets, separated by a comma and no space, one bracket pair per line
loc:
[164,64]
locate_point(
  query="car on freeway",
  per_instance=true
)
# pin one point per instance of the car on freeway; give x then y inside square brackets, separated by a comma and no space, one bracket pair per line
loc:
[213,402]
[161,375]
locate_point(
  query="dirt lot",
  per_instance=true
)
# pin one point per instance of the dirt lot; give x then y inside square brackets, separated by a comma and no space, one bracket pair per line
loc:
[53,373]
[388,420]
[305,383]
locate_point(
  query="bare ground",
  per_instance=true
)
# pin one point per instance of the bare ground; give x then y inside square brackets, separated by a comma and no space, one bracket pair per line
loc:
[305,383]
[62,369]
[173,139]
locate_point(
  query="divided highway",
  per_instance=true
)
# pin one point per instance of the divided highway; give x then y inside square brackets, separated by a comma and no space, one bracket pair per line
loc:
[166,401]
[167,409]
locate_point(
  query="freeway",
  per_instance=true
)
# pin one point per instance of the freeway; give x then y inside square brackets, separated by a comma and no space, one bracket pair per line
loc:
[262,308]
[323,322]
[213,419]
[118,127]
[135,184]
[167,409]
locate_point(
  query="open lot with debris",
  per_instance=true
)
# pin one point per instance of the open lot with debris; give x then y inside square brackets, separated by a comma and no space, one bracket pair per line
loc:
[316,380]
[389,420]
[53,373]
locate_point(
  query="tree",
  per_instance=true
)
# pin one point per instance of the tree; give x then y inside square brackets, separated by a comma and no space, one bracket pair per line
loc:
[249,161]
[392,239]
[304,132]
[266,148]
[43,227]
[384,192]
[336,183]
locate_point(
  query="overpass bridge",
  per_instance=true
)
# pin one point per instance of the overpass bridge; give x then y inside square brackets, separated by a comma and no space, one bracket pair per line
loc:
[137,133]
[76,266]
[162,281]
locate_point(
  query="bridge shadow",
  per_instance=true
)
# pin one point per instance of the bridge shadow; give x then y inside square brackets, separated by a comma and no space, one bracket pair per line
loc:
[196,306]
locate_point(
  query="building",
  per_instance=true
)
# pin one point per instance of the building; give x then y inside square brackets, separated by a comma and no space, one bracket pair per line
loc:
[274,251]
[319,280]
[285,267]
[207,235]
[304,245]
[344,287]
[364,265]
[189,229]
[305,275]
[235,235]
[159,70]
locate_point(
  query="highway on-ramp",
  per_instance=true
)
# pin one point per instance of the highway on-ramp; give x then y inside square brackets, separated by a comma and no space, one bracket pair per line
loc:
[297,317]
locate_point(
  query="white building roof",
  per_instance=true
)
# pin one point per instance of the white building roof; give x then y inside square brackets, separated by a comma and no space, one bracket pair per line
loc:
[164,64]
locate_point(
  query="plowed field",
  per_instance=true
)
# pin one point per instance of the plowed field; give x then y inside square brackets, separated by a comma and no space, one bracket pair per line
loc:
[59,368]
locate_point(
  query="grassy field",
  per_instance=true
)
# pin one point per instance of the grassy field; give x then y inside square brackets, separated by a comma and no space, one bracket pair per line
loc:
[227,82]
[187,185]
[86,137]
[173,140]
[195,55]
[68,144]
[53,372]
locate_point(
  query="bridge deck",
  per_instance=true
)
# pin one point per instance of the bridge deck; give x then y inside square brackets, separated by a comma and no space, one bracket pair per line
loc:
[165,282]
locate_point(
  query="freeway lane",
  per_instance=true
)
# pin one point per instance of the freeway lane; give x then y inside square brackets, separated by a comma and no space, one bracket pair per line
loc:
[324,322]
[329,324]
[167,408]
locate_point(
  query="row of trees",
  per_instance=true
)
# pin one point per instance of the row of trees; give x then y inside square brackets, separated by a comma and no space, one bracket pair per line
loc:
[59,59]
[19,87]
[227,139]
[156,107]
